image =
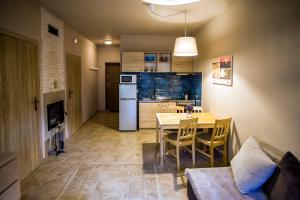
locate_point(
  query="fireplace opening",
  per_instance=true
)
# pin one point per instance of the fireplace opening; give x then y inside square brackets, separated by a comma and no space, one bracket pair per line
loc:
[55,114]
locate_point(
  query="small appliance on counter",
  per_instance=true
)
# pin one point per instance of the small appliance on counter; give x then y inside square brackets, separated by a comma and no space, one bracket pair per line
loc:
[188,102]
[128,103]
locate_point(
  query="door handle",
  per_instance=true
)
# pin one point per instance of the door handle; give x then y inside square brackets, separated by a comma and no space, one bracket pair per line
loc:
[35,103]
[70,93]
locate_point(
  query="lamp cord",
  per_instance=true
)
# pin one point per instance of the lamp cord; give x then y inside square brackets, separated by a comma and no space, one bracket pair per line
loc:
[185,23]
[150,6]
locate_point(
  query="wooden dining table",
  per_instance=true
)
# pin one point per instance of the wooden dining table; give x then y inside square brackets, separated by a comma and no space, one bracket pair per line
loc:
[172,120]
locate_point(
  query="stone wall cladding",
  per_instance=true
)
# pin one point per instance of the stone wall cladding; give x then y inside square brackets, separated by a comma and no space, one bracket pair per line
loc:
[52,54]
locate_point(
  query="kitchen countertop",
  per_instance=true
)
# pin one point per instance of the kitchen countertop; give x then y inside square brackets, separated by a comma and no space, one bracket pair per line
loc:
[155,100]
[178,102]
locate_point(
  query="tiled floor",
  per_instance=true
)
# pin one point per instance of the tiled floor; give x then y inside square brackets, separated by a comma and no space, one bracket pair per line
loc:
[102,163]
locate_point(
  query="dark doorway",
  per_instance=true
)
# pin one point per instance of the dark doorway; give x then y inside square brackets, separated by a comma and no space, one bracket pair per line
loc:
[112,79]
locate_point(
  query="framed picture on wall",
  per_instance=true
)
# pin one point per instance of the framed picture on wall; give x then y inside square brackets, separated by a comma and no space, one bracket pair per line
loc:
[222,70]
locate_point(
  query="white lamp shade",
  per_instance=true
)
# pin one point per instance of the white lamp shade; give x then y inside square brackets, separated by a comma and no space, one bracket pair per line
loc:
[185,46]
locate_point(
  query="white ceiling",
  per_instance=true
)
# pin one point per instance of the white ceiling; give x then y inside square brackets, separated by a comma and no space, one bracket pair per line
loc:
[101,19]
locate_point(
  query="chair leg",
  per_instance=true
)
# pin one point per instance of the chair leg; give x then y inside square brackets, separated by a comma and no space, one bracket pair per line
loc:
[178,158]
[212,158]
[194,154]
[165,146]
[225,160]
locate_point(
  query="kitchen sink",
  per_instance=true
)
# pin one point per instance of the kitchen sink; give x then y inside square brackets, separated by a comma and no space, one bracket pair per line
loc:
[156,100]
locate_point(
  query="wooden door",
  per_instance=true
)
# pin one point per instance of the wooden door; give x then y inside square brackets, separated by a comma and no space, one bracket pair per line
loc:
[19,109]
[74,106]
[112,80]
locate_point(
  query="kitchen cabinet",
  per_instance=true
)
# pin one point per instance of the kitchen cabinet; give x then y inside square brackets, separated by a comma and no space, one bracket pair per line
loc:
[164,62]
[132,61]
[155,62]
[10,177]
[148,110]
[164,106]
[146,61]
[147,114]
[182,64]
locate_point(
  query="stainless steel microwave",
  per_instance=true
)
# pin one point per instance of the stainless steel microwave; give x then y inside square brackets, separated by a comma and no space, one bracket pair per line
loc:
[127,78]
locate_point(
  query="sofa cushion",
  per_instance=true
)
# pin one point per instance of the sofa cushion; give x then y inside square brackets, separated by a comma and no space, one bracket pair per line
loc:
[285,182]
[216,184]
[251,167]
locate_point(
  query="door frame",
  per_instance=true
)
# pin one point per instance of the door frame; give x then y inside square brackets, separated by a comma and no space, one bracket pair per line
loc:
[22,37]
[106,65]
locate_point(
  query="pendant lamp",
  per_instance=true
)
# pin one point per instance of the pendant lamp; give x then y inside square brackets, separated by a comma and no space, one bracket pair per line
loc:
[185,46]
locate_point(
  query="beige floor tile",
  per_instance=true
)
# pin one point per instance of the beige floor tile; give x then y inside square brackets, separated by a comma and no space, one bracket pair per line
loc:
[54,186]
[102,163]
[48,172]
[37,193]
[29,183]
[113,188]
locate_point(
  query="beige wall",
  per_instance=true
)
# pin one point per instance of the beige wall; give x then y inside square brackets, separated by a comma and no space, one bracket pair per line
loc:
[147,43]
[263,38]
[105,55]
[24,18]
[52,54]
[21,17]
[87,50]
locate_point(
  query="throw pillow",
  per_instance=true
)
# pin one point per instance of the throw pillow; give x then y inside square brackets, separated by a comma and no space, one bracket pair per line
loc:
[251,167]
[285,182]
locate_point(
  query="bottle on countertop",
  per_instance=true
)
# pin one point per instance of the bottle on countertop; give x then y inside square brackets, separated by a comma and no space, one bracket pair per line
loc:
[186,97]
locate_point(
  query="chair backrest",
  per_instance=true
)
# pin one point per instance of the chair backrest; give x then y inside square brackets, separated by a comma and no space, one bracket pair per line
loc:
[176,109]
[197,109]
[187,129]
[221,130]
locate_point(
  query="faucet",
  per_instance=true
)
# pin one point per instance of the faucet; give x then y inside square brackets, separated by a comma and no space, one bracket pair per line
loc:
[153,96]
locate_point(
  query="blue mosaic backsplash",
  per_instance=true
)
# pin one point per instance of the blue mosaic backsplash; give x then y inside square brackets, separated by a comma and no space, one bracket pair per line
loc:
[169,85]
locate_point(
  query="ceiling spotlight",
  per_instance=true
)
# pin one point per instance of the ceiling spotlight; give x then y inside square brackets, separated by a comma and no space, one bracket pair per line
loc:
[170,2]
[108,42]
[75,40]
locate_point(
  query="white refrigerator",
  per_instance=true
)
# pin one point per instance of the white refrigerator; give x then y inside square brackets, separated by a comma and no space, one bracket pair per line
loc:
[128,107]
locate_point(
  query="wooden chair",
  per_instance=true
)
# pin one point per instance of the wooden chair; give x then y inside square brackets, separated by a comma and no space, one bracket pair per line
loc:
[217,138]
[176,109]
[183,138]
[197,109]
